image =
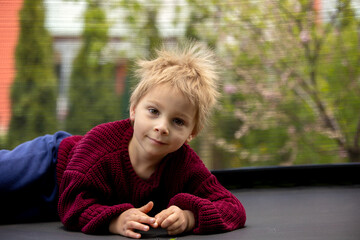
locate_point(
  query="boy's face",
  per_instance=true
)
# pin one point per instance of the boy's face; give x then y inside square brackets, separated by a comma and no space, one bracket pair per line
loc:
[164,120]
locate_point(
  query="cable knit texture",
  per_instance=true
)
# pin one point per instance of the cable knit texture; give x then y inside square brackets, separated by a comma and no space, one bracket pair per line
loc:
[97,183]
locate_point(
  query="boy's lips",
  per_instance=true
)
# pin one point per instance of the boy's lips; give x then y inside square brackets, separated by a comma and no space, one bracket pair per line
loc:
[157,141]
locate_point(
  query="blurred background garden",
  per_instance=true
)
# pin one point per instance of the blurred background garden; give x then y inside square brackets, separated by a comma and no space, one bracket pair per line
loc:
[290,72]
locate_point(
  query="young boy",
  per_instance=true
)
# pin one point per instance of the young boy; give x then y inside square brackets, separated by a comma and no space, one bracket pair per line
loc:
[127,176]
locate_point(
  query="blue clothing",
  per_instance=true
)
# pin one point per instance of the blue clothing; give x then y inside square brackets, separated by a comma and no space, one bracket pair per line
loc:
[28,186]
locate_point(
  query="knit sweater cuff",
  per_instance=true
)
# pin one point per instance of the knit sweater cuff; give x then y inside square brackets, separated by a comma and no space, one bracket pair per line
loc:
[207,218]
[99,217]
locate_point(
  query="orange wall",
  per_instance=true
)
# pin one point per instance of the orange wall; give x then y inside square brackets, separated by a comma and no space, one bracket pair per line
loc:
[317,7]
[8,38]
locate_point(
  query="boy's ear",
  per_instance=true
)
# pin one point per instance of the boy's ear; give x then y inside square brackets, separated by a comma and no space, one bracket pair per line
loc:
[132,113]
[191,137]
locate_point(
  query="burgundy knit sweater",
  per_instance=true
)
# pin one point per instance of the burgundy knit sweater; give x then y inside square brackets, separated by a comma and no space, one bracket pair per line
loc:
[97,183]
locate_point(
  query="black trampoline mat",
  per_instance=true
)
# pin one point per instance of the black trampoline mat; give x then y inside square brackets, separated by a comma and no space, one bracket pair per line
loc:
[299,213]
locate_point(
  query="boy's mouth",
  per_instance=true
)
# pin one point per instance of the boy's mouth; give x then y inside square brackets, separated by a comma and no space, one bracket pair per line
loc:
[157,141]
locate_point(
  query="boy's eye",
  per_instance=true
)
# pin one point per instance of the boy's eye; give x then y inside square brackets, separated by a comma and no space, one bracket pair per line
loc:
[153,111]
[179,121]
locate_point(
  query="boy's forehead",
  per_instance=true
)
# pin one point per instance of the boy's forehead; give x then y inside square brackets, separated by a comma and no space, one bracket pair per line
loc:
[168,91]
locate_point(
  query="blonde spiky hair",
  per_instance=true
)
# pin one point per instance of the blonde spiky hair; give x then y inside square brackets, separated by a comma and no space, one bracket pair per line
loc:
[191,68]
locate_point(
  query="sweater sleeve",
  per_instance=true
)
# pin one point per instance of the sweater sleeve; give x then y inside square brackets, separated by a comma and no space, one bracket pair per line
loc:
[215,208]
[83,203]
[86,192]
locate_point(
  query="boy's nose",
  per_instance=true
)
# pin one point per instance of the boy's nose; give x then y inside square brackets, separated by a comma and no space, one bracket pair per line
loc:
[162,128]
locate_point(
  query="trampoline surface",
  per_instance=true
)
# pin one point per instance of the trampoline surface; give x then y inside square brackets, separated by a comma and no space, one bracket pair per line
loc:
[291,213]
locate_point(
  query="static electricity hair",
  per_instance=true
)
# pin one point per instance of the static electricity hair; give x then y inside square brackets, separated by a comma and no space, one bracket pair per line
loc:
[191,68]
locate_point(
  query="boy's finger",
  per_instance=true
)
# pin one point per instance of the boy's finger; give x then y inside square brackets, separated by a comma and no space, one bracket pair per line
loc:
[170,220]
[137,226]
[160,217]
[131,234]
[175,231]
[176,228]
[154,225]
[146,219]
[147,207]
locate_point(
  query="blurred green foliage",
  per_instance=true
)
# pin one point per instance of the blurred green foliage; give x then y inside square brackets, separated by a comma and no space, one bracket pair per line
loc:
[33,93]
[290,77]
[291,81]
[93,99]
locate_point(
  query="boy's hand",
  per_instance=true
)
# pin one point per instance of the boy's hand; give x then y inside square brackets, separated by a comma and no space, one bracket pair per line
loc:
[175,220]
[133,219]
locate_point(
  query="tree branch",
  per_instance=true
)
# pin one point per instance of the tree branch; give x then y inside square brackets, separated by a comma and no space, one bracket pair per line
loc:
[330,122]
